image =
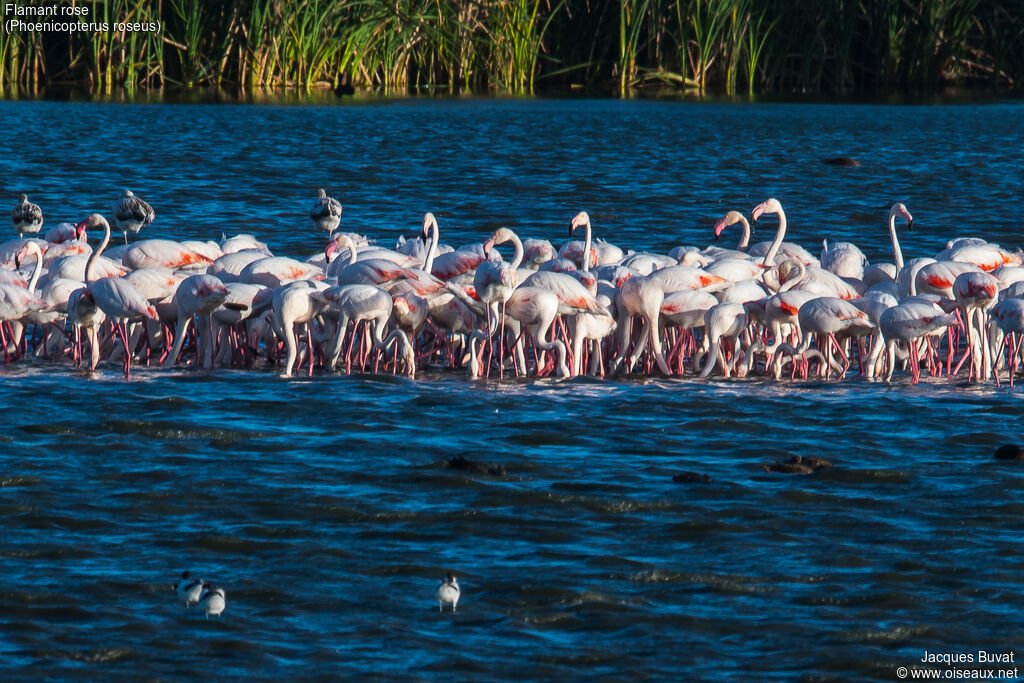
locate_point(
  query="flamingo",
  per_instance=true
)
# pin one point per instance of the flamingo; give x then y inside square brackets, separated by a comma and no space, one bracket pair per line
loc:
[828,317]
[984,255]
[644,297]
[359,270]
[791,251]
[686,310]
[729,219]
[230,245]
[295,304]
[909,321]
[843,259]
[359,302]
[581,253]
[536,252]
[241,303]
[229,267]
[1007,317]
[132,213]
[197,295]
[725,320]
[938,277]
[157,253]
[494,282]
[536,308]
[119,300]
[898,210]
[275,271]
[326,212]
[26,216]
[976,292]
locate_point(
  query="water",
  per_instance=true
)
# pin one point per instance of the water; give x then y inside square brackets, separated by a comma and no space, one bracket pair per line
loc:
[323,505]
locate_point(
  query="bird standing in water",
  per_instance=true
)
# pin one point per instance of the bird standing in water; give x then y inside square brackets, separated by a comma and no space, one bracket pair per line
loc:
[326,212]
[132,213]
[448,592]
[213,600]
[26,216]
[189,589]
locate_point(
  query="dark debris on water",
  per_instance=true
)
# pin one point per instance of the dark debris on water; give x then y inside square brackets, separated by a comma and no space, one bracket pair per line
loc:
[691,478]
[1009,451]
[461,463]
[798,464]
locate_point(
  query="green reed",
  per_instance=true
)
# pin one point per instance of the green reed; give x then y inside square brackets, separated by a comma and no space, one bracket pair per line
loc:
[507,45]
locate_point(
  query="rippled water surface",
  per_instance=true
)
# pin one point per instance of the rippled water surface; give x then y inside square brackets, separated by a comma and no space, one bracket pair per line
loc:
[323,505]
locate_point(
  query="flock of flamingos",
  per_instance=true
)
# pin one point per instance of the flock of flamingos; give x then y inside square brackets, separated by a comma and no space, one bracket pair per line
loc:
[587,308]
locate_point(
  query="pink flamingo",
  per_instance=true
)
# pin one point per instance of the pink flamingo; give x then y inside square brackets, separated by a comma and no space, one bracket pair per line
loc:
[115,296]
[791,251]
[197,295]
[295,304]
[365,271]
[536,308]
[975,293]
[730,219]
[828,318]
[275,271]
[157,253]
[909,321]
[723,321]
[1007,317]
[359,302]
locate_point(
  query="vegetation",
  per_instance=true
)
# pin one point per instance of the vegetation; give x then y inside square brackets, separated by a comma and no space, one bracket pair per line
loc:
[518,46]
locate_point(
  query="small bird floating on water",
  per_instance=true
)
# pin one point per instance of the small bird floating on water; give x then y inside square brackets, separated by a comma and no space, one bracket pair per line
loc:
[213,600]
[448,592]
[132,213]
[189,589]
[26,216]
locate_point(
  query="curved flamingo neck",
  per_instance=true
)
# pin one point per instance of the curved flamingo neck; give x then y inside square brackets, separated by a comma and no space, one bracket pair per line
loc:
[745,238]
[38,270]
[517,258]
[586,247]
[96,254]
[428,262]
[897,253]
[345,242]
[769,258]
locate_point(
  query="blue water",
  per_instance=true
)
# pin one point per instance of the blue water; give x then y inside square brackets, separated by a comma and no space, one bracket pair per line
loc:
[324,508]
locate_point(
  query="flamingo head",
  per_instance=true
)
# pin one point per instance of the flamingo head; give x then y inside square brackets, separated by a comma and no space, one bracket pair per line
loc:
[731,218]
[428,222]
[338,241]
[489,245]
[94,220]
[582,218]
[502,235]
[899,209]
[769,206]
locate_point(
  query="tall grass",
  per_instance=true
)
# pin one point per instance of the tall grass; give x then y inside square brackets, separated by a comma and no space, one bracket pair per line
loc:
[512,46]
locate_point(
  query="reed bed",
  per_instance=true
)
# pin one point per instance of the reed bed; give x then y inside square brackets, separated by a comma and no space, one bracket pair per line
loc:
[518,46]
